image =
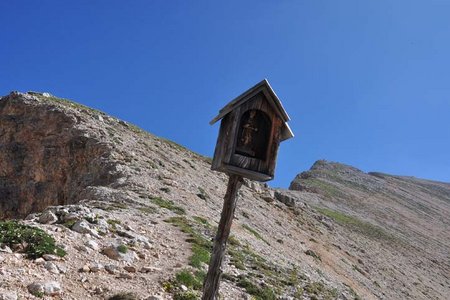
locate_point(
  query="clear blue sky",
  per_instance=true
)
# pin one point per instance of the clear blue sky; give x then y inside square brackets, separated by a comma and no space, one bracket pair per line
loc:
[366,83]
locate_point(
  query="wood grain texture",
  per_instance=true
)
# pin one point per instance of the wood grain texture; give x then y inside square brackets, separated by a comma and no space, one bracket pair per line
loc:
[212,280]
[227,159]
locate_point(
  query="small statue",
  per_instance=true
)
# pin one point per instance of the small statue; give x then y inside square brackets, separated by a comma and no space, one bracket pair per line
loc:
[249,128]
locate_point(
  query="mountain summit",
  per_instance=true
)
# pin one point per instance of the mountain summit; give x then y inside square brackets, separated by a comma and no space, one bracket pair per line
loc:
[123,214]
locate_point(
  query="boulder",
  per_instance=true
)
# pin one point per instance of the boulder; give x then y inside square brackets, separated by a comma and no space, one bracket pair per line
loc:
[285,198]
[48,217]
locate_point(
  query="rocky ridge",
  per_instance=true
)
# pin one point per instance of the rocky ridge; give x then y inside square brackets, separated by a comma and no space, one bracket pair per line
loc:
[136,214]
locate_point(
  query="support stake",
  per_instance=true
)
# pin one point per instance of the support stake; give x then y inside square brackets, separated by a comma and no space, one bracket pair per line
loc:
[212,280]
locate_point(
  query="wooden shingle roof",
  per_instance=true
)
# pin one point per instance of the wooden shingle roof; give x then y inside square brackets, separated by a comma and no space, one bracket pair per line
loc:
[271,97]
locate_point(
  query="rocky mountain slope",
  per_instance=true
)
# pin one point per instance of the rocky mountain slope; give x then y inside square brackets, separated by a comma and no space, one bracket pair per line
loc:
[135,215]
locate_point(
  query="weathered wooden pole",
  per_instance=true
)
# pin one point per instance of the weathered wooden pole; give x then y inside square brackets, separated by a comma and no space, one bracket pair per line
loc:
[212,280]
[252,127]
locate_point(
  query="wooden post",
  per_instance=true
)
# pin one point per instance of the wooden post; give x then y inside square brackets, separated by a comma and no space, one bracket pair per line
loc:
[212,280]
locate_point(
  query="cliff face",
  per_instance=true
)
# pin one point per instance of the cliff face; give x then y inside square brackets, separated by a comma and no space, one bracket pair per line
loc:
[338,233]
[47,155]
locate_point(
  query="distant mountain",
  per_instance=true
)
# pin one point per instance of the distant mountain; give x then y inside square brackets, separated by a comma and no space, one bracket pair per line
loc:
[410,217]
[136,214]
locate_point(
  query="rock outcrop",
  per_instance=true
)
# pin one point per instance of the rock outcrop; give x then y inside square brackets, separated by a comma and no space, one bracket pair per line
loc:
[48,154]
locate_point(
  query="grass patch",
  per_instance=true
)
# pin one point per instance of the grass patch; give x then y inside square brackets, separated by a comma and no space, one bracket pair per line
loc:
[122,248]
[116,206]
[70,223]
[168,205]
[243,258]
[92,220]
[202,194]
[201,220]
[113,224]
[38,294]
[255,233]
[36,242]
[188,295]
[67,102]
[260,293]
[201,247]
[321,187]
[356,224]
[189,279]
[232,240]
[147,209]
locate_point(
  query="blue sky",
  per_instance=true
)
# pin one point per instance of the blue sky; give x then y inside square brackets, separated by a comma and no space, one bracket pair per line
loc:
[366,83]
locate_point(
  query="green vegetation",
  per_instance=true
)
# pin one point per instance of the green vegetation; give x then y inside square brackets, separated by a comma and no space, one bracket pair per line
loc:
[67,102]
[319,289]
[168,205]
[122,248]
[202,194]
[356,224]
[165,189]
[295,282]
[201,221]
[113,224]
[254,268]
[147,209]
[322,187]
[174,145]
[260,293]
[201,247]
[255,233]
[313,254]
[206,159]
[116,206]
[38,294]
[69,223]
[255,262]
[35,241]
[232,240]
[189,279]
[188,295]
[92,220]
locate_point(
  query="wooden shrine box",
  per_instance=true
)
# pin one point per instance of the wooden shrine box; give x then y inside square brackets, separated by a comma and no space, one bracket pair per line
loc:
[252,127]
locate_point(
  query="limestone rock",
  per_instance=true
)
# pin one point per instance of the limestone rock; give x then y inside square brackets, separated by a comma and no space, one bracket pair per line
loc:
[36,288]
[39,261]
[286,198]
[113,252]
[51,267]
[52,288]
[92,244]
[111,269]
[8,295]
[51,257]
[96,267]
[34,173]
[48,217]
[81,226]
